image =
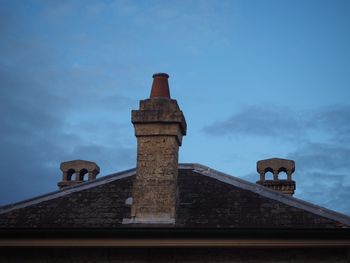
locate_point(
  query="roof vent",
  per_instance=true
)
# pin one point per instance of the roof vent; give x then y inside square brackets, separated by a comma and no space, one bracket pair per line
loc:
[276,166]
[76,171]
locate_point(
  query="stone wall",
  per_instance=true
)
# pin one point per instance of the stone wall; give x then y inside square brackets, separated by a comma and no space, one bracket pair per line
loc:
[159,127]
[154,190]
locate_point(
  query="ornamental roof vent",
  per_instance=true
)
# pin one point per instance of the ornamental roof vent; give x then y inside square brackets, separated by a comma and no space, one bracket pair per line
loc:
[276,166]
[76,171]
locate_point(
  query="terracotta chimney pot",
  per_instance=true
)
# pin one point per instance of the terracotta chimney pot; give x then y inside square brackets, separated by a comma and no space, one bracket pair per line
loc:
[160,86]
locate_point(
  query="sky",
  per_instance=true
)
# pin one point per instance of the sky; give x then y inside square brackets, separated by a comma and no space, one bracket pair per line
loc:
[255,80]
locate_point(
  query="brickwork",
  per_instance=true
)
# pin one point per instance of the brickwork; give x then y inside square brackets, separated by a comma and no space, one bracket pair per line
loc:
[276,166]
[206,202]
[202,202]
[74,172]
[154,190]
[159,127]
[176,201]
[98,207]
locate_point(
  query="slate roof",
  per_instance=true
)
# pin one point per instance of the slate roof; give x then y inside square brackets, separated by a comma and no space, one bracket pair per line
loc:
[206,199]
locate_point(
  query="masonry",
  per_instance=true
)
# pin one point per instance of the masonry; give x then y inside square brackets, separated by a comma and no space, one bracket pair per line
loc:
[162,211]
[159,127]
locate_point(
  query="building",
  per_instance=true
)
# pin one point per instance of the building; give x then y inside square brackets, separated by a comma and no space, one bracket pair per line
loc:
[163,211]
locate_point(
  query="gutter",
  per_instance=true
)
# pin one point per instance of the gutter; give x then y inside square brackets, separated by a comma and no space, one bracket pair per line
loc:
[158,238]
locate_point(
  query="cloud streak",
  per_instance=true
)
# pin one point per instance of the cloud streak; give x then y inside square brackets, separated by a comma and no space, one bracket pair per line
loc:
[53,111]
[279,122]
[259,121]
[322,152]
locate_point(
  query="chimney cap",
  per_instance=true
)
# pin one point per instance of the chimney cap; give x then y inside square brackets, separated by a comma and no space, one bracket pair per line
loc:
[160,74]
[78,169]
[277,165]
[160,86]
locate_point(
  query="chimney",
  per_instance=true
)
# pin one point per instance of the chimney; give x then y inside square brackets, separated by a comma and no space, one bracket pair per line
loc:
[159,126]
[76,171]
[276,166]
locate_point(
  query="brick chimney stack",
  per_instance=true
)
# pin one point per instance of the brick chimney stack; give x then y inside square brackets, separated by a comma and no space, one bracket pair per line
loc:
[159,126]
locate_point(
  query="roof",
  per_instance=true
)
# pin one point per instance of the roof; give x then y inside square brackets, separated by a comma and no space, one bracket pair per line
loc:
[206,199]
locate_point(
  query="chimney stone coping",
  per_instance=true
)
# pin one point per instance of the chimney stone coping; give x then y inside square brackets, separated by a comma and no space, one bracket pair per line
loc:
[78,165]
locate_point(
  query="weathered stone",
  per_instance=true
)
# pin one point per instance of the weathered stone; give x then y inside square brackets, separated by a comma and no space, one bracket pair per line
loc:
[159,127]
[276,166]
[202,202]
[77,168]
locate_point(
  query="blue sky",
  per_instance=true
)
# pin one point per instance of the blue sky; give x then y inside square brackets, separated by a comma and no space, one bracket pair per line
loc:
[255,79]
